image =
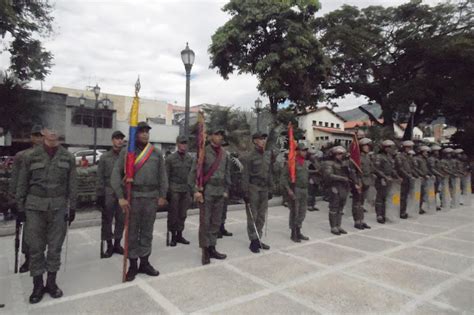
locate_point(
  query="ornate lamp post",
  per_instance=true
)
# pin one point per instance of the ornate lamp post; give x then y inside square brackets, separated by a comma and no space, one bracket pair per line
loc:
[96,90]
[258,109]
[187,56]
[412,109]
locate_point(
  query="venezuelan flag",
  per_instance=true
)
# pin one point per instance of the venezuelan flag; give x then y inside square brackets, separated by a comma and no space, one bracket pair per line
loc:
[129,165]
[291,154]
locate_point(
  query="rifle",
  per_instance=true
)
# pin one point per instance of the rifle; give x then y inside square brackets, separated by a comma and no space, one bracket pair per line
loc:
[253,222]
[18,238]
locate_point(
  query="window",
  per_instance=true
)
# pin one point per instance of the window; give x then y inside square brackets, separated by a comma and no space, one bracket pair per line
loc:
[314,122]
[326,138]
[332,125]
[320,123]
[338,126]
[85,117]
[326,124]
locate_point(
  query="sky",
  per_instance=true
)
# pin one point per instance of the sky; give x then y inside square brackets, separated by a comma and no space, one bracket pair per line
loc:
[111,42]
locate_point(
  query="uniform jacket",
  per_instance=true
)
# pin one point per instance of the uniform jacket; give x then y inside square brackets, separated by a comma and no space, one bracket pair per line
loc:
[104,172]
[257,171]
[177,169]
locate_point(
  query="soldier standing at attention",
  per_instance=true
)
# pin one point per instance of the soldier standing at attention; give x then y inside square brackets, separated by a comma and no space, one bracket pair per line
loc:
[366,179]
[36,140]
[314,179]
[435,168]
[421,162]
[178,166]
[46,189]
[107,199]
[257,183]
[149,188]
[384,167]
[338,187]
[404,168]
[299,197]
[213,195]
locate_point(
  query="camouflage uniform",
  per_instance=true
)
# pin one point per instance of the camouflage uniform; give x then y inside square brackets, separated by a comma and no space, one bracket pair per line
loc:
[111,208]
[257,182]
[404,168]
[314,181]
[384,168]
[178,166]
[46,189]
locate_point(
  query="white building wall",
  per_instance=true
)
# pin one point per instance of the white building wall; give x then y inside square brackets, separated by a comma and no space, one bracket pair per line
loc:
[322,118]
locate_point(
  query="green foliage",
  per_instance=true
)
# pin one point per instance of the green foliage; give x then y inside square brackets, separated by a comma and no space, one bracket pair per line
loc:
[23,22]
[275,41]
[398,55]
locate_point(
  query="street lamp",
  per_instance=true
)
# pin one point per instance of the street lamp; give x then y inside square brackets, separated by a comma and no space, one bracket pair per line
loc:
[187,56]
[412,109]
[258,109]
[106,102]
[82,100]
[96,90]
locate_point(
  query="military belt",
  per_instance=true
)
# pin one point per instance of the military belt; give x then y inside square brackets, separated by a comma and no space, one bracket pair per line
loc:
[50,193]
[258,181]
[144,188]
[216,181]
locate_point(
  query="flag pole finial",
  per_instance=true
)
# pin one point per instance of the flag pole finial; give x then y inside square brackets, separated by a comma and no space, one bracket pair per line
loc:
[137,86]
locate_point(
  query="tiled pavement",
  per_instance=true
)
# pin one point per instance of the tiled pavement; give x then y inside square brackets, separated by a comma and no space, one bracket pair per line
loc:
[418,266]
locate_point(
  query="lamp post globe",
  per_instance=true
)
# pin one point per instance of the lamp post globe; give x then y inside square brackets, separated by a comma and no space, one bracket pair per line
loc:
[96,90]
[258,108]
[412,109]
[187,56]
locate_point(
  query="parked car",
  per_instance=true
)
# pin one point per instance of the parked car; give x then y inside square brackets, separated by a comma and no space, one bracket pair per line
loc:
[89,154]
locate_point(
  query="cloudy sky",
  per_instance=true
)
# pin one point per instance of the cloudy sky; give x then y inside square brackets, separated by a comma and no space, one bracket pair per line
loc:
[111,42]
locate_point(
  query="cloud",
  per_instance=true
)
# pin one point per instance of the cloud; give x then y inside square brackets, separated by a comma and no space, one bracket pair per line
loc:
[111,42]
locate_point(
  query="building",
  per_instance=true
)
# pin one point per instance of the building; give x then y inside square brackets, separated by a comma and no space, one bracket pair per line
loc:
[323,126]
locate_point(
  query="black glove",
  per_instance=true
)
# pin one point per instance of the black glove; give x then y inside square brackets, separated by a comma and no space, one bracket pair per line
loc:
[270,195]
[69,217]
[101,201]
[21,216]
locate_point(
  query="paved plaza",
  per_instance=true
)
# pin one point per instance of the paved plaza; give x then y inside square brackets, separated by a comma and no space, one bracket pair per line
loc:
[416,266]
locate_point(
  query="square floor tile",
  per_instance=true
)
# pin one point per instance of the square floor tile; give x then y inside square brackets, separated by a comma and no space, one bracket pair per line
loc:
[460,295]
[430,309]
[130,300]
[393,235]
[434,259]
[457,247]
[364,243]
[406,277]
[341,294]
[216,284]
[462,234]
[326,254]
[268,304]
[275,268]
[419,228]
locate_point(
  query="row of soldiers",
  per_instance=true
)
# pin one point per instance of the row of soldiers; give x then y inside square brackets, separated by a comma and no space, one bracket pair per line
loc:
[45,191]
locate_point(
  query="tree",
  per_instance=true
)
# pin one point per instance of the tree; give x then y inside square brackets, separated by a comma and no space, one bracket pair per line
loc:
[24,22]
[275,41]
[398,55]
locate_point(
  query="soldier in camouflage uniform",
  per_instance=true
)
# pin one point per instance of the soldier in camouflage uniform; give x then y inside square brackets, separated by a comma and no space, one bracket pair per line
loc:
[338,182]
[36,139]
[178,166]
[421,164]
[447,166]
[365,180]
[149,188]
[384,168]
[46,189]
[107,199]
[257,182]
[314,179]
[405,170]
[213,195]
[434,168]
[298,197]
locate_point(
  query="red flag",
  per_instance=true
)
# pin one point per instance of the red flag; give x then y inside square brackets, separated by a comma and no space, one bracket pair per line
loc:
[354,151]
[291,154]
[201,146]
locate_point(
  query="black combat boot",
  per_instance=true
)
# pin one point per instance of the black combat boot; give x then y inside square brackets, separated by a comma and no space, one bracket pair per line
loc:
[358,225]
[294,236]
[173,239]
[365,226]
[118,249]
[300,235]
[224,232]
[109,251]
[132,269]
[339,221]
[404,216]
[26,265]
[333,223]
[38,289]
[147,268]
[206,260]
[254,246]
[51,286]
[264,246]
[181,239]
[380,219]
[213,253]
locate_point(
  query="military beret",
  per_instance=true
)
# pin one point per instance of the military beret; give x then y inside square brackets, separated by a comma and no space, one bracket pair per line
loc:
[301,146]
[387,143]
[143,125]
[424,148]
[118,134]
[338,150]
[408,143]
[448,150]
[312,151]
[259,135]
[181,139]
[435,147]
[411,152]
[365,141]
[458,151]
[216,131]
